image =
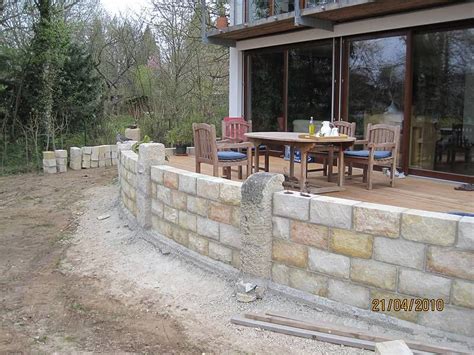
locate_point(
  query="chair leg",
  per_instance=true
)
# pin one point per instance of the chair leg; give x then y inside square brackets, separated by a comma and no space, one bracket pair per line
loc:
[240,172]
[349,170]
[267,160]
[198,167]
[370,169]
[330,163]
[364,176]
[392,175]
[325,167]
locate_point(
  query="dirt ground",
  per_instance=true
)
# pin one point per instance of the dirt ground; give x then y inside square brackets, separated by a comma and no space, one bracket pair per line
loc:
[69,282]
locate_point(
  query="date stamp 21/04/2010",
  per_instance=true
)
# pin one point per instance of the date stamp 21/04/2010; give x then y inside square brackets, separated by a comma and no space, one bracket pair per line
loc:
[407,305]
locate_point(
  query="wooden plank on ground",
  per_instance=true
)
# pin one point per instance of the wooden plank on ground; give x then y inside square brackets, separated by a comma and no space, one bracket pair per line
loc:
[345,331]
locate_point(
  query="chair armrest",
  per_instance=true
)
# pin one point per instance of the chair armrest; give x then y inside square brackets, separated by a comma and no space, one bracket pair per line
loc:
[221,146]
[381,145]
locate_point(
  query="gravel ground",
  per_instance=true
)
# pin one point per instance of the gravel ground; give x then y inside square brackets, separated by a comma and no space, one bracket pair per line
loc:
[133,271]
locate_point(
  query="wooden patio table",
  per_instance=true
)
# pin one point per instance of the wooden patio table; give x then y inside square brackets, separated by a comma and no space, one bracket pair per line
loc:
[293,140]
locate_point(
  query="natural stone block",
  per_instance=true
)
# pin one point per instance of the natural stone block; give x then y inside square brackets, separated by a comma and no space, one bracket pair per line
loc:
[290,253]
[351,243]
[87,150]
[62,168]
[95,153]
[455,320]
[197,205]
[424,285]
[208,187]
[429,227]
[101,163]
[86,164]
[60,153]
[374,273]
[309,234]
[198,244]
[75,165]
[49,163]
[163,194]
[309,282]
[466,233]
[348,293]
[220,212]
[377,297]
[393,347]
[328,263]
[230,192]
[187,183]
[49,155]
[75,152]
[463,293]
[170,179]
[332,212]
[400,252]
[178,199]
[292,206]
[236,260]
[280,274]
[180,235]
[157,208]
[281,228]
[157,174]
[94,164]
[220,252]
[378,219]
[208,228]
[450,262]
[235,218]
[50,169]
[170,214]
[230,236]
[187,221]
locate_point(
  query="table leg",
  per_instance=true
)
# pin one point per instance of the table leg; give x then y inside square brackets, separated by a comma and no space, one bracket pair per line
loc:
[304,157]
[340,167]
[292,162]
[257,155]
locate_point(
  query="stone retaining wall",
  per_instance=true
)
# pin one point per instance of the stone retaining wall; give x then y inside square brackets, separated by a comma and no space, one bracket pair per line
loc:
[344,250]
[357,253]
[198,211]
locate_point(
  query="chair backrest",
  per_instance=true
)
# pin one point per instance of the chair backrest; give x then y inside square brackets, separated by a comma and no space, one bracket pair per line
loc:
[205,142]
[344,127]
[383,133]
[234,129]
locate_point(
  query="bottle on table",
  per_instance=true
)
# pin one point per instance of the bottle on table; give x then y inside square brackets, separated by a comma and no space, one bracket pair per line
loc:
[311,127]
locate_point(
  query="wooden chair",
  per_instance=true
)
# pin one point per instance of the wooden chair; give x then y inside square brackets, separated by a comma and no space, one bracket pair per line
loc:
[380,148]
[219,154]
[329,154]
[234,129]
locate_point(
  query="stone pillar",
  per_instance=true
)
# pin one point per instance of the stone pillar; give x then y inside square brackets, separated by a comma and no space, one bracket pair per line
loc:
[256,223]
[49,162]
[75,156]
[61,160]
[149,154]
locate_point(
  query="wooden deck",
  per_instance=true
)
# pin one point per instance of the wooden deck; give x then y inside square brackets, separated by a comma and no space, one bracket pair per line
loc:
[411,192]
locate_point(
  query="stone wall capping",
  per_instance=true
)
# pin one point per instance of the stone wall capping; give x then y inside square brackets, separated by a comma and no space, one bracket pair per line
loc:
[332,211]
[466,233]
[292,205]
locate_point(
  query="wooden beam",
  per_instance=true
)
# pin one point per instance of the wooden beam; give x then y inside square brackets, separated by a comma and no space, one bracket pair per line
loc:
[314,23]
[219,41]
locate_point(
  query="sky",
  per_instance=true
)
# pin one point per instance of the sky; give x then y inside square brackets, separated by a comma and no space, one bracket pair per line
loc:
[114,7]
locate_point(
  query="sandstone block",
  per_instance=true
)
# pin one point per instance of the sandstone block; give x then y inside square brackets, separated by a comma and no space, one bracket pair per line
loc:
[198,244]
[94,164]
[463,293]
[108,162]
[170,179]
[328,263]
[394,347]
[157,208]
[163,194]
[75,165]
[49,155]
[280,274]
[187,183]
[332,212]
[374,273]
[170,214]
[348,293]
[180,235]
[424,285]
[236,260]
[157,174]
[230,192]
[351,243]
[87,150]
[466,233]
[230,236]
[95,153]
[235,219]
[208,228]
[49,169]
[309,234]
[208,187]
[400,252]
[114,162]
[197,205]
[292,206]
[378,219]
[178,199]
[49,163]
[290,253]
[451,319]
[188,221]
[61,161]
[377,297]
[450,262]
[60,153]
[101,163]
[220,253]
[281,228]
[61,168]
[429,227]
[86,164]
[309,282]
[220,212]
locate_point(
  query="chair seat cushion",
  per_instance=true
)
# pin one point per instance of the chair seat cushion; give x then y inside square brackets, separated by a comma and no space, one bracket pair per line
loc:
[231,155]
[379,154]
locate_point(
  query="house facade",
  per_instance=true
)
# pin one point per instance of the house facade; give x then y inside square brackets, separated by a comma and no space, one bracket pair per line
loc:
[407,63]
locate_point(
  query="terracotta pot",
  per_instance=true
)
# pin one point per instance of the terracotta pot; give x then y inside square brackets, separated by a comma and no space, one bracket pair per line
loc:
[222,22]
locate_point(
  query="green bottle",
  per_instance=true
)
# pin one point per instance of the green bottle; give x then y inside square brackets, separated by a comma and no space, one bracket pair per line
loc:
[311,126]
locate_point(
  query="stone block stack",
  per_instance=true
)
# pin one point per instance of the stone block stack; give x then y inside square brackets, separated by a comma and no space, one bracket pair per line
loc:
[113,155]
[86,157]
[95,157]
[49,162]
[61,160]
[75,155]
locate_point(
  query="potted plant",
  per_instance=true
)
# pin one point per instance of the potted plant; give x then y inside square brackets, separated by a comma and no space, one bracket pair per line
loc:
[181,137]
[221,22]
